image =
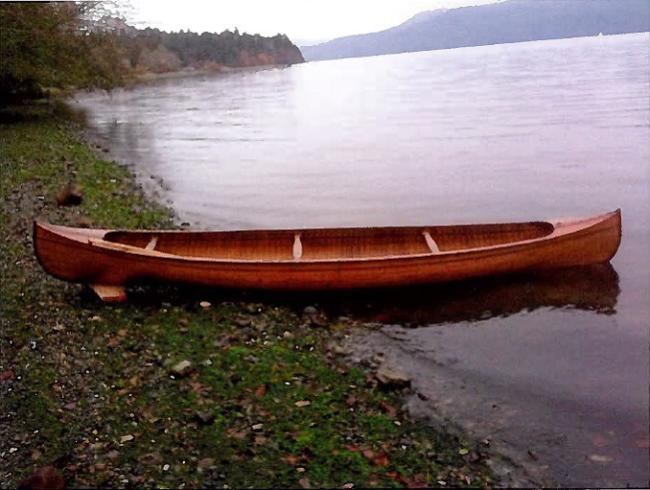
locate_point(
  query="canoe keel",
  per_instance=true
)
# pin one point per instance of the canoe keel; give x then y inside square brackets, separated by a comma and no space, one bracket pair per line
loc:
[320,258]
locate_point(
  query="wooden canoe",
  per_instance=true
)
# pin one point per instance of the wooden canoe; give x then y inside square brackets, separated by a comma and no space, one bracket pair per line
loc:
[334,258]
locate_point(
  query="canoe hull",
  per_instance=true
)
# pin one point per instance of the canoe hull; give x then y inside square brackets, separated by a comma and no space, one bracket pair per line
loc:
[78,255]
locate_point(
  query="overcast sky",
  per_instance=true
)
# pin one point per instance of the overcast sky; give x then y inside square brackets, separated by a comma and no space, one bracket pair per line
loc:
[303,21]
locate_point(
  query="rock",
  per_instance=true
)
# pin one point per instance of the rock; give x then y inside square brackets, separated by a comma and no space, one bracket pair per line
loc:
[242,321]
[85,222]
[310,310]
[378,358]
[205,304]
[205,418]
[182,368]
[302,403]
[392,377]
[48,478]
[205,463]
[599,458]
[319,320]
[127,438]
[253,308]
[340,350]
[151,459]
[69,195]
[315,317]
[113,455]
[257,426]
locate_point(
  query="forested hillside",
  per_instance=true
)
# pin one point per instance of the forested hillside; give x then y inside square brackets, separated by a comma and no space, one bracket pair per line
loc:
[46,46]
[159,51]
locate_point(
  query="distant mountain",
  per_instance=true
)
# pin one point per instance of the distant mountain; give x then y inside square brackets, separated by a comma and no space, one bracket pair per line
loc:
[505,22]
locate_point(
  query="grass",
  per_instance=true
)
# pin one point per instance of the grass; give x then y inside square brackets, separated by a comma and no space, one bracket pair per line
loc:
[90,388]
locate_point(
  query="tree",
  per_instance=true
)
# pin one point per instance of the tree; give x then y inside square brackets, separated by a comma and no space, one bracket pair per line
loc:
[52,45]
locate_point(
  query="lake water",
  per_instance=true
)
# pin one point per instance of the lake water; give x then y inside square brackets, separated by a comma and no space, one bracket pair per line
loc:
[497,133]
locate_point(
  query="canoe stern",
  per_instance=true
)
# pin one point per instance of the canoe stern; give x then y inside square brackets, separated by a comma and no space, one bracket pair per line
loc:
[64,253]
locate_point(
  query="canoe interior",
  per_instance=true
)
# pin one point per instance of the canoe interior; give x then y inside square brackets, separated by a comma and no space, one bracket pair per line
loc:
[341,243]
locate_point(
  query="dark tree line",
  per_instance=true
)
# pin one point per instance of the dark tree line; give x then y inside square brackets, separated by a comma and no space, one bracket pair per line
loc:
[64,45]
[227,48]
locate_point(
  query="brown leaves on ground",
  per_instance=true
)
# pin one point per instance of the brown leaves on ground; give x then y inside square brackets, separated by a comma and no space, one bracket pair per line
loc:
[377,459]
[114,341]
[197,387]
[46,478]
[380,459]
[390,410]
[237,434]
[292,460]
[419,481]
[260,391]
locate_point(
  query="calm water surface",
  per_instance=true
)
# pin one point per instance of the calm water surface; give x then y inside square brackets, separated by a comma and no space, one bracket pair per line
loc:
[496,133]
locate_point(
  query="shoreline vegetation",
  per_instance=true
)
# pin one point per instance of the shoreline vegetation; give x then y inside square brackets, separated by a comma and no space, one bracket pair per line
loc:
[182,386]
[187,73]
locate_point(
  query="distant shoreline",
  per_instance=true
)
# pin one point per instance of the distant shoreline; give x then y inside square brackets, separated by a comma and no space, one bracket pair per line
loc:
[185,73]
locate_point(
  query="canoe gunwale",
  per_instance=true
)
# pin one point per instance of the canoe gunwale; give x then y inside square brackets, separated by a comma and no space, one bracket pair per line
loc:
[94,239]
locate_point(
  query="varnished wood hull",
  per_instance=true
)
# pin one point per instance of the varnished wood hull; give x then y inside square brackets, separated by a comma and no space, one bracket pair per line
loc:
[321,259]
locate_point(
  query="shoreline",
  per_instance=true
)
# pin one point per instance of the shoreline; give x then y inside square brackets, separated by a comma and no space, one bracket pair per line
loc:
[184,73]
[183,385]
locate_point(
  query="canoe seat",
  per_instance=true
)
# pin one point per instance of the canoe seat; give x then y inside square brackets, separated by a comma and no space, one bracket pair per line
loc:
[431,243]
[297,247]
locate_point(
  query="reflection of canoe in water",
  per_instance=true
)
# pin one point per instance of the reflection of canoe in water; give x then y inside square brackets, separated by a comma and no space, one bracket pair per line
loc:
[335,258]
[592,288]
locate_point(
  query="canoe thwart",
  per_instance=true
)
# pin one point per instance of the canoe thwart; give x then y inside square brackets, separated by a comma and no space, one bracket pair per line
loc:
[152,243]
[431,243]
[109,294]
[297,247]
